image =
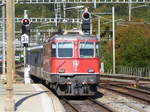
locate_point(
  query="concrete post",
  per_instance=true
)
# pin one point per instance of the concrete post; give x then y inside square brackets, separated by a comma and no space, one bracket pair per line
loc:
[3,36]
[14,47]
[9,107]
[130,8]
[99,25]
[113,27]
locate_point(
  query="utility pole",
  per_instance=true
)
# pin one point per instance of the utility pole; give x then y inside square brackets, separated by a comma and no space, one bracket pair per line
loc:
[113,29]
[9,107]
[130,8]
[94,3]
[3,35]
[99,25]
[14,68]
[91,27]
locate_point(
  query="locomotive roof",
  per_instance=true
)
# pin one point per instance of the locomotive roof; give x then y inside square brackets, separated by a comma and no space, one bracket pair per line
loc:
[73,37]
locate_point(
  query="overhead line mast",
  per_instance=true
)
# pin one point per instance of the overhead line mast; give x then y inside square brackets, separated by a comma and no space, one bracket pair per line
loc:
[9,107]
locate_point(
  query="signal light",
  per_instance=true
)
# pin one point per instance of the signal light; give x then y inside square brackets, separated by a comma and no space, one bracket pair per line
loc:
[25,21]
[86,15]
[25,26]
[86,22]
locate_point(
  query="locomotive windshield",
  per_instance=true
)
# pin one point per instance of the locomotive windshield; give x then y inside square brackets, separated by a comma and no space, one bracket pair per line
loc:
[65,49]
[86,49]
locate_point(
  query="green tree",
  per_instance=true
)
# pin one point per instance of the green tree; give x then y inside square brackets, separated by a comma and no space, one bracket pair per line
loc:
[132,46]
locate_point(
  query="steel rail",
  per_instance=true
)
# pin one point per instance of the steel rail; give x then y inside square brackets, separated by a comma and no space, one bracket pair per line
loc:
[72,106]
[129,93]
[134,89]
[19,66]
[125,77]
[101,105]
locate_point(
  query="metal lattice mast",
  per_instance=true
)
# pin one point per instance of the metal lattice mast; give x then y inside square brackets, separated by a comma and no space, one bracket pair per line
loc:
[64,8]
[57,9]
[56,12]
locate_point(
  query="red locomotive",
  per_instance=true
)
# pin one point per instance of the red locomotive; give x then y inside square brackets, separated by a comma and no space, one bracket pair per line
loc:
[69,63]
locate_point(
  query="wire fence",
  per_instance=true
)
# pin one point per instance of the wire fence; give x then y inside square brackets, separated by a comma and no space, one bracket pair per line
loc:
[134,71]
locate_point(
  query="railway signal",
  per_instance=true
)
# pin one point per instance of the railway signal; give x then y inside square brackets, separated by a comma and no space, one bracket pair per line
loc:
[86,16]
[25,31]
[26,26]
[25,41]
[86,22]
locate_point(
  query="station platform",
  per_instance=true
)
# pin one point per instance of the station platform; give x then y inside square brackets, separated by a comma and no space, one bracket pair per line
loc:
[32,98]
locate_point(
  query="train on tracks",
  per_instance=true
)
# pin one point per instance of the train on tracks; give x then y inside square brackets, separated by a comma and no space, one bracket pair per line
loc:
[68,63]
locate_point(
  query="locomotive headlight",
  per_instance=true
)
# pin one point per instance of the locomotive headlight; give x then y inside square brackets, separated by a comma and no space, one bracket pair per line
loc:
[91,70]
[84,82]
[61,70]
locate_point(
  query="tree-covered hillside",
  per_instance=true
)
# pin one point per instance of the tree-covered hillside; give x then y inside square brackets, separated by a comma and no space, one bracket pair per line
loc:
[133,45]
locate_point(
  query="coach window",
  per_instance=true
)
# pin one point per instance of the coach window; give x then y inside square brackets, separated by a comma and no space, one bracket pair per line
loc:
[97,49]
[53,49]
[86,49]
[65,49]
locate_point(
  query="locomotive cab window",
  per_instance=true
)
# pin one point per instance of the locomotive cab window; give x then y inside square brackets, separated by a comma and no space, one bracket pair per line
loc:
[86,49]
[53,49]
[65,49]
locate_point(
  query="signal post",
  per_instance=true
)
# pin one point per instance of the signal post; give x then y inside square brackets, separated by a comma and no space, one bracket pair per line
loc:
[25,41]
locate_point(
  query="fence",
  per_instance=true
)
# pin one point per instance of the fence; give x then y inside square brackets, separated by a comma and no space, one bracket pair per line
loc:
[134,71]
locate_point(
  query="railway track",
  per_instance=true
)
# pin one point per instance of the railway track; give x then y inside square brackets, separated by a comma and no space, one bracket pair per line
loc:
[147,88]
[86,105]
[19,66]
[132,92]
[125,77]
[91,105]
[109,82]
